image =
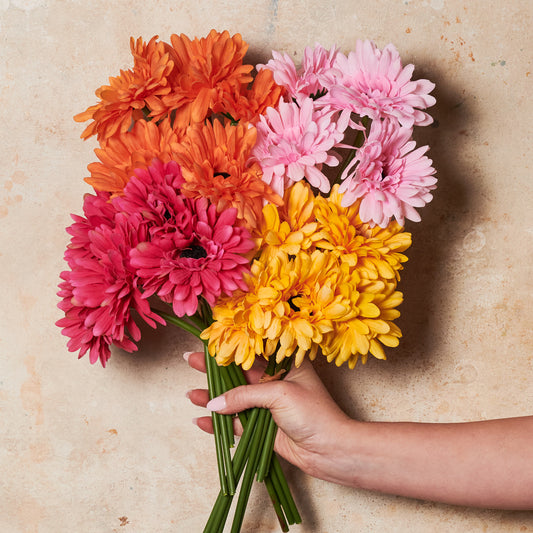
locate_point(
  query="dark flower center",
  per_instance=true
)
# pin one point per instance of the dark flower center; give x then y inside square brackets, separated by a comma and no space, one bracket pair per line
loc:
[318,94]
[194,252]
[225,175]
[291,303]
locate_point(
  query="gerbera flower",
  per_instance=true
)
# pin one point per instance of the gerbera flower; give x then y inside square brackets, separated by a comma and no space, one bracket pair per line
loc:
[294,141]
[312,79]
[154,193]
[215,164]
[289,302]
[97,210]
[82,337]
[123,100]
[369,328]
[291,227]
[210,263]
[374,84]
[248,103]
[133,149]
[229,341]
[375,252]
[102,289]
[389,176]
[206,68]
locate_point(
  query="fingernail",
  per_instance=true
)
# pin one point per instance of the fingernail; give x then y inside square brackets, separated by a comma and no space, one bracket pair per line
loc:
[188,394]
[216,404]
[195,421]
[186,356]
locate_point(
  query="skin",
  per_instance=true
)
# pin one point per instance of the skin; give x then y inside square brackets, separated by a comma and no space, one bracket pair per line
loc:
[485,464]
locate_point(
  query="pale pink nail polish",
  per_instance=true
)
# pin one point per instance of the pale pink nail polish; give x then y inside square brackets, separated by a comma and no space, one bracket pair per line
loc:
[186,356]
[195,421]
[216,404]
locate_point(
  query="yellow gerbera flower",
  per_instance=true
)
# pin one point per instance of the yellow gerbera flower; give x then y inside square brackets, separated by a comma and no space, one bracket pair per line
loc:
[292,303]
[323,280]
[376,252]
[369,328]
[291,227]
[230,342]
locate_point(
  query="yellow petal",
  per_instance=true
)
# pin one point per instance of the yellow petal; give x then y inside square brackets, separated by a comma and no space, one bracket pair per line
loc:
[377,350]
[369,310]
[271,215]
[377,326]
[361,344]
[389,340]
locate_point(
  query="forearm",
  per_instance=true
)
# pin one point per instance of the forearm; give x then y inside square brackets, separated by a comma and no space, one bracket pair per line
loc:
[485,464]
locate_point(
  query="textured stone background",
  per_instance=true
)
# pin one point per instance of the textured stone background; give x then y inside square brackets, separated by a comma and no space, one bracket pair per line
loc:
[86,450]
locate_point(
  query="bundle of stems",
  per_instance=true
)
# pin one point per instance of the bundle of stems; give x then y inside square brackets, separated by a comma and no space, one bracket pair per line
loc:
[254,454]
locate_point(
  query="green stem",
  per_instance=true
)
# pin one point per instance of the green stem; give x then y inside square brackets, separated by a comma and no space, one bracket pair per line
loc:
[293,517]
[249,474]
[206,311]
[237,379]
[272,492]
[272,428]
[198,322]
[248,454]
[179,322]
[268,448]
[237,375]
[230,377]
[228,438]
[220,427]
[227,385]
[215,417]
[223,502]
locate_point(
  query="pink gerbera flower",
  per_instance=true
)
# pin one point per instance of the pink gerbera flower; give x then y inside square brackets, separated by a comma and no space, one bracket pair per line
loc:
[212,262]
[294,141]
[374,84]
[154,193]
[389,176]
[97,210]
[82,337]
[312,79]
[101,290]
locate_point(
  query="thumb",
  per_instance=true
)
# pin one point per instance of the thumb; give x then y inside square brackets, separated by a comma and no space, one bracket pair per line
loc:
[245,397]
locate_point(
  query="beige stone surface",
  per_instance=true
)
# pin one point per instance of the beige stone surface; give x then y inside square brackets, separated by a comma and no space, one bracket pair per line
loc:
[89,450]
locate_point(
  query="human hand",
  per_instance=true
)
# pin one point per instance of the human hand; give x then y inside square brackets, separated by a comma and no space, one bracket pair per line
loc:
[482,464]
[311,425]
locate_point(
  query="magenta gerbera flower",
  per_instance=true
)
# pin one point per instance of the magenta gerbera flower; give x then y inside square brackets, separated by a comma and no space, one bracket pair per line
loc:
[312,79]
[98,211]
[154,193]
[374,84]
[82,337]
[389,176]
[212,262]
[101,291]
[294,141]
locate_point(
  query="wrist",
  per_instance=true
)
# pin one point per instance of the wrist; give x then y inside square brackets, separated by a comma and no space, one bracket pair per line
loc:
[342,458]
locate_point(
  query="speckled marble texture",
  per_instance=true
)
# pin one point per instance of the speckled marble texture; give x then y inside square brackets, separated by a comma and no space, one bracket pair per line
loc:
[88,450]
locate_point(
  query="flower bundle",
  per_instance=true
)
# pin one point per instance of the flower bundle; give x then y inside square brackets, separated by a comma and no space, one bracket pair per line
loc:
[218,207]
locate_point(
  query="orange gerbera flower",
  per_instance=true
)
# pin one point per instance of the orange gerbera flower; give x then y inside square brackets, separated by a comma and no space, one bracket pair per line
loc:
[127,95]
[248,103]
[214,163]
[133,149]
[206,69]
